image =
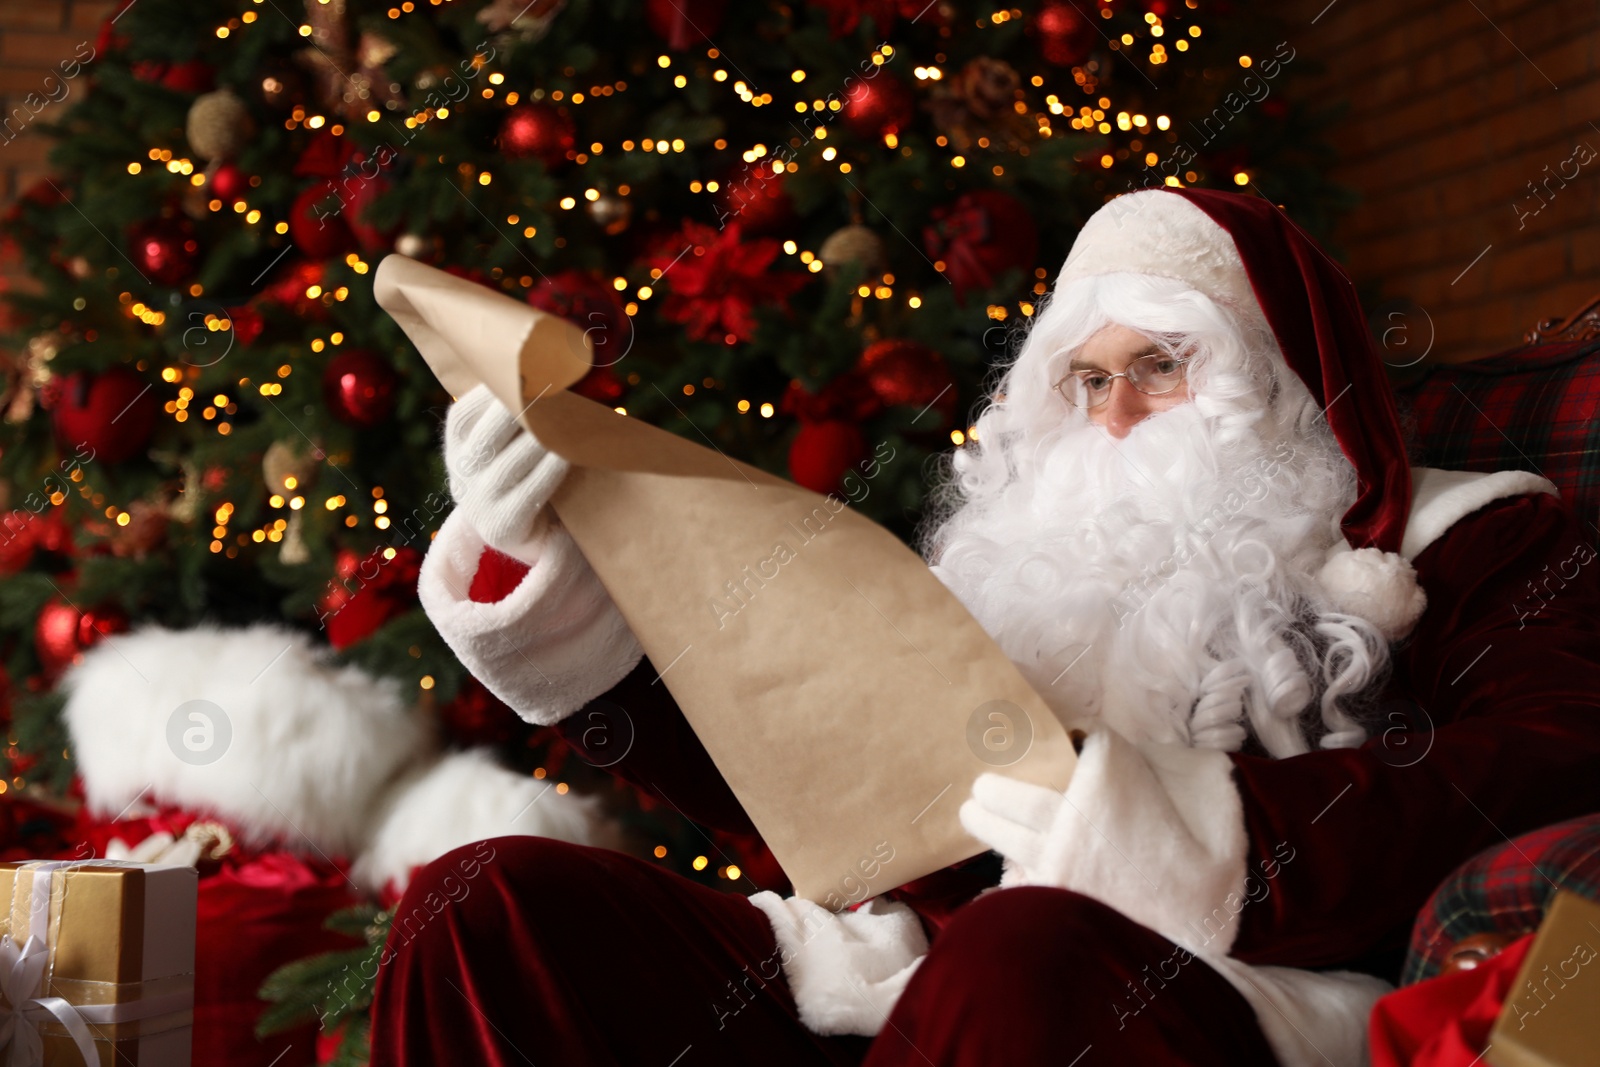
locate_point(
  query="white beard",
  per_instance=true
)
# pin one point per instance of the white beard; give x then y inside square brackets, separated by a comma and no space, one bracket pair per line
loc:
[1164,585]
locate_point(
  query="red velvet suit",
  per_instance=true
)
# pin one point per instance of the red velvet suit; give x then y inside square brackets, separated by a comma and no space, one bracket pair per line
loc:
[563,954]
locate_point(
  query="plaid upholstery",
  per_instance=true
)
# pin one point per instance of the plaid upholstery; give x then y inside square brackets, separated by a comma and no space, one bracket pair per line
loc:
[1532,408]
[1505,890]
[1535,409]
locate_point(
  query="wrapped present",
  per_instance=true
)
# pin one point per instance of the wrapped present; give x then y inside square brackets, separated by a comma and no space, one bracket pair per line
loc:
[1548,1019]
[96,963]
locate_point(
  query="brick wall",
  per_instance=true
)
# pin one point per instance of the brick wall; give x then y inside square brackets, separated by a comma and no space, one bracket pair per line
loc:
[36,37]
[1454,107]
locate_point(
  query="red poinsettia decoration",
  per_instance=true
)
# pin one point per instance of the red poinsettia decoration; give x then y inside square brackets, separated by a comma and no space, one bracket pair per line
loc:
[715,280]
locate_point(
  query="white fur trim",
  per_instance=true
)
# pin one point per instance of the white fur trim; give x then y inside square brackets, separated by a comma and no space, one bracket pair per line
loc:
[1310,1018]
[1441,498]
[311,743]
[1379,586]
[1153,830]
[553,644]
[464,797]
[1171,239]
[845,969]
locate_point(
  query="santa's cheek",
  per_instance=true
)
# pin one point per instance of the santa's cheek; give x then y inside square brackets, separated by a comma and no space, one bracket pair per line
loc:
[1171,400]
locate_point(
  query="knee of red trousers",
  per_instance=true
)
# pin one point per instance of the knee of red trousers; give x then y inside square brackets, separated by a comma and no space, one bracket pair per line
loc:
[1035,975]
[482,883]
[1009,944]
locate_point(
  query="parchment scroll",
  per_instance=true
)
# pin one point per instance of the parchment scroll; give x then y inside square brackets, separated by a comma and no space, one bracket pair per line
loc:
[845,694]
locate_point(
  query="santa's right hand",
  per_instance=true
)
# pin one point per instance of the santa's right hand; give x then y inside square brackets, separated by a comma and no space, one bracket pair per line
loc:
[500,475]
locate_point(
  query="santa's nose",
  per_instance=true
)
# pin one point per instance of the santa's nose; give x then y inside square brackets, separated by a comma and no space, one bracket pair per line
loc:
[1124,408]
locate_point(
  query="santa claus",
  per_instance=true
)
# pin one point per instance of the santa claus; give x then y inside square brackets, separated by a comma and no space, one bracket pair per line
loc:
[1303,691]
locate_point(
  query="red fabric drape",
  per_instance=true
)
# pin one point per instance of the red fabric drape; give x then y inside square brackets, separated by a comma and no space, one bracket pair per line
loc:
[1445,1021]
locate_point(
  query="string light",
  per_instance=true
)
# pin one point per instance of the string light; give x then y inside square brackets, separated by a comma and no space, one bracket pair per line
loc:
[1100,119]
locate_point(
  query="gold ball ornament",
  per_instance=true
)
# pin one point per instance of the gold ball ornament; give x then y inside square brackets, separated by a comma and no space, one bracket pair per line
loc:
[611,213]
[219,125]
[286,460]
[414,245]
[855,244]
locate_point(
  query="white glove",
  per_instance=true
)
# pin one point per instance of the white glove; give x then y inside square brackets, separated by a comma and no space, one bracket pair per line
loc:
[846,969]
[500,475]
[1153,830]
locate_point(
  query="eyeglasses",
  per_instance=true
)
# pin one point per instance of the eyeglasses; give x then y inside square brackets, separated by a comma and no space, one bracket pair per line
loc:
[1154,375]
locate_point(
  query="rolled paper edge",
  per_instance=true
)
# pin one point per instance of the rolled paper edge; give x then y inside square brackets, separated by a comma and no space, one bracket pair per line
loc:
[518,351]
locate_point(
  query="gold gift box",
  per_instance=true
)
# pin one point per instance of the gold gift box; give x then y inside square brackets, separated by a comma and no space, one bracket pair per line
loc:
[1550,1017]
[121,942]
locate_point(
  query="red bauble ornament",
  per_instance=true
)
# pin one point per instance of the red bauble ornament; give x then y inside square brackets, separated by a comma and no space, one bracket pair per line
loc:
[907,374]
[1065,35]
[228,183]
[756,199]
[16,541]
[18,538]
[367,592]
[112,413]
[538,130]
[980,237]
[590,302]
[342,586]
[100,622]
[164,250]
[55,636]
[325,156]
[882,105]
[62,632]
[822,452]
[848,398]
[359,193]
[685,24]
[359,387]
[317,223]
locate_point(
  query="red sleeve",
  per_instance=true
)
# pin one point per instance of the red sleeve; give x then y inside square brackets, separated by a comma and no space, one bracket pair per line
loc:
[662,756]
[1346,845]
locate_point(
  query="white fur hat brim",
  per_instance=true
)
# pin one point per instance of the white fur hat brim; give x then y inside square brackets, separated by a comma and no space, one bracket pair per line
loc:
[1155,232]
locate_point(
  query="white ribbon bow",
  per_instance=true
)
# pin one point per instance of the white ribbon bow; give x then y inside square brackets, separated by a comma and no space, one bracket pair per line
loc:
[21,968]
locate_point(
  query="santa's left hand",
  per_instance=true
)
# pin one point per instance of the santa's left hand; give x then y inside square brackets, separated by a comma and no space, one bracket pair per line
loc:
[1015,818]
[1154,830]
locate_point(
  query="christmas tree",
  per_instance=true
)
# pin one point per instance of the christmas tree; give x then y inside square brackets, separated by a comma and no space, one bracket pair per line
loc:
[803,232]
